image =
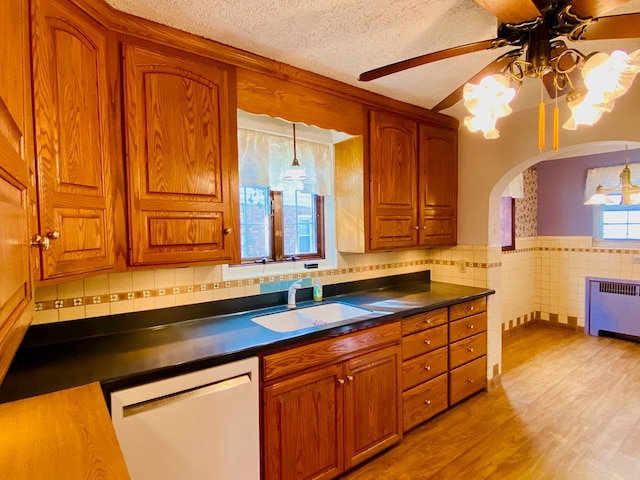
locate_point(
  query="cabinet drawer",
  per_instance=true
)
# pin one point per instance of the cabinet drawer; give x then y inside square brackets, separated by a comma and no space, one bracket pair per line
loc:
[330,350]
[467,379]
[465,309]
[425,320]
[468,349]
[424,401]
[423,368]
[467,327]
[424,341]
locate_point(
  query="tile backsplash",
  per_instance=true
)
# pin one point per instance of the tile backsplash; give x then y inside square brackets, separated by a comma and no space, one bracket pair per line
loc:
[153,289]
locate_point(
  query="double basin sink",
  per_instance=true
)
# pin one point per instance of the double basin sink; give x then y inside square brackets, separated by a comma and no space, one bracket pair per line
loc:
[306,317]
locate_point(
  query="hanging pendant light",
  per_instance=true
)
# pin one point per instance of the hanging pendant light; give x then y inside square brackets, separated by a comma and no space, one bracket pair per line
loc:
[626,189]
[295,172]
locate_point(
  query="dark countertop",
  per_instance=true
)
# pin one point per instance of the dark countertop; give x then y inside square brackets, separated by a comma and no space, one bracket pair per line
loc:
[129,349]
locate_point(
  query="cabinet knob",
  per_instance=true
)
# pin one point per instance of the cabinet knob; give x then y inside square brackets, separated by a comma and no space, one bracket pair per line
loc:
[427,341]
[424,227]
[227,231]
[471,308]
[427,368]
[350,378]
[427,402]
[470,349]
[417,227]
[54,234]
[427,320]
[470,326]
[341,381]
[43,243]
[470,380]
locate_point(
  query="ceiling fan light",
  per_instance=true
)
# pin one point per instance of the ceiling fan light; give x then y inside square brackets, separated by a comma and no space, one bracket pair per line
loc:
[610,76]
[586,110]
[487,102]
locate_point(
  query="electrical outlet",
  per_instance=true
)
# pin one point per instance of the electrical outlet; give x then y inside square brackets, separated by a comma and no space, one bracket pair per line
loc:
[462,266]
[635,259]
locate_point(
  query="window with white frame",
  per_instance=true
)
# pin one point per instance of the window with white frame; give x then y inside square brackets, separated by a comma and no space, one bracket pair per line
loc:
[282,220]
[618,222]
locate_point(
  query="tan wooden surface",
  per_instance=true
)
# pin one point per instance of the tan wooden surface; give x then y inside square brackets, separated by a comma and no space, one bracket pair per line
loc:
[465,309]
[74,128]
[422,321]
[438,185]
[66,434]
[372,413]
[568,409]
[424,401]
[467,327]
[467,380]
[393,163]
[180,116]
[468,349]
[303,426]
[17,180]
[423,368]
[325,351]
[425,341]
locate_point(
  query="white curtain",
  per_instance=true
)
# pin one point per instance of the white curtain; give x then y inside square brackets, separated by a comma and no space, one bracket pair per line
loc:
[608,177]
[264,157]
[515,189]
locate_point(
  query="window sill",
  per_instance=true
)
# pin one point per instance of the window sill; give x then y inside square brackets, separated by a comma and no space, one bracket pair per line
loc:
[627,244]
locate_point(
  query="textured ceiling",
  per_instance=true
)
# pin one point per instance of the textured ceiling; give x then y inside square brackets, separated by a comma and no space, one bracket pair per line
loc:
[343,38]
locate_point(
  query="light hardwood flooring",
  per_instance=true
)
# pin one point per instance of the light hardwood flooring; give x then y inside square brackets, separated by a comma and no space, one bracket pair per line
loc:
[568,409]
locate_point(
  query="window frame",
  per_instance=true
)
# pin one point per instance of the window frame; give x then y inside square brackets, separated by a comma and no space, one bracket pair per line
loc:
[599,223]
[276,230]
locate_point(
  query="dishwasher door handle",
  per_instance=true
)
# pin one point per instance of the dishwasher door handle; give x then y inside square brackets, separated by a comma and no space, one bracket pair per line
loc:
[215,387]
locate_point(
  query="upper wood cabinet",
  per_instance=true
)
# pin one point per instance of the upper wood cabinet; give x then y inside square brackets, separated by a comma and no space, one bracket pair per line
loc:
[16,179]
[75,120]
[413,182]
[181,139]
[393,170]
[438,183]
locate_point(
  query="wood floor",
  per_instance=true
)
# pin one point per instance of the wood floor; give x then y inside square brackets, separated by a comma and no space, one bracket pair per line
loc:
[568,409]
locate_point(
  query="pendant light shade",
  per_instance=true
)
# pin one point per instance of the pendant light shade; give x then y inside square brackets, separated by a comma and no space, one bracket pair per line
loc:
[295,172]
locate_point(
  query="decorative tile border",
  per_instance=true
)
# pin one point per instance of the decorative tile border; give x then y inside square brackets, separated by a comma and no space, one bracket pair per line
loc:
[269,283]
[626,251]
[535,319]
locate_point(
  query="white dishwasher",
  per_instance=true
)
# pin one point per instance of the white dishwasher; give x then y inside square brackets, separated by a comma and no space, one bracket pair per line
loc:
[200,425]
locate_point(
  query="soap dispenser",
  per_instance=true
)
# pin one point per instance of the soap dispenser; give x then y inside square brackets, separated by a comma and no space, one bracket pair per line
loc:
[317,290]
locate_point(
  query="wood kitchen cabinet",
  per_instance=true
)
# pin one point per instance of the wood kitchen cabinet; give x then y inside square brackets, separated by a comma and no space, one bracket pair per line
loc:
[17,179]
[180,116]
[413,182]
[321,421]
[76,152]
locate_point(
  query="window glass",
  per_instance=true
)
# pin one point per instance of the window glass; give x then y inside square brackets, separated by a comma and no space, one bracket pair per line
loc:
[619,222]
[299,225]
[254,222]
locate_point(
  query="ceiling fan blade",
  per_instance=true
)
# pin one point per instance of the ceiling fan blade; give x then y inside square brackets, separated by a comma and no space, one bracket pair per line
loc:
[428,58]
[615,26]
[494,67]
[594,8]
[511,11]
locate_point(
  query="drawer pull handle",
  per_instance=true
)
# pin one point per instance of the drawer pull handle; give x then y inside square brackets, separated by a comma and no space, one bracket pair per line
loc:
[427,341]
[470,349]
[428,402]
[427,320]
[470,326]
[341,381]
[471,308]
[470,380]
[427,368]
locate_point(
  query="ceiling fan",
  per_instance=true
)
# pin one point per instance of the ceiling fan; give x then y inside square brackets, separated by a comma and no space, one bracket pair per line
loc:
[534,28]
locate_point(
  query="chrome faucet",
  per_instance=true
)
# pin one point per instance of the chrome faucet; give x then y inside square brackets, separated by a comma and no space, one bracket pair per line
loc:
[291,298]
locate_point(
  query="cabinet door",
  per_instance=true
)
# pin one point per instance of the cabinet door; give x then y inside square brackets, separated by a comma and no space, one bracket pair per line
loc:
[373,399]
[438,153]
[74,121]
[303,424]
[182,154]
[16,170]
[393,181]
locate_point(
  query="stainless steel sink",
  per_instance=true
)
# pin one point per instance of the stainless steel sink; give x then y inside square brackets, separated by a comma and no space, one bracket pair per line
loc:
[307,317]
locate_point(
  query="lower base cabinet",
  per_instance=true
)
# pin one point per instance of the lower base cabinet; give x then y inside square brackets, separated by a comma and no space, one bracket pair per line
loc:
[319,423]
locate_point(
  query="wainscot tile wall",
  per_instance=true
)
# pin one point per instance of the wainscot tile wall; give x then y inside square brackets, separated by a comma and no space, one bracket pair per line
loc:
[543,279]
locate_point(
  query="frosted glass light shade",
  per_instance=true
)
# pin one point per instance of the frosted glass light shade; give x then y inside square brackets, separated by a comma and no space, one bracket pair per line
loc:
[487,102]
